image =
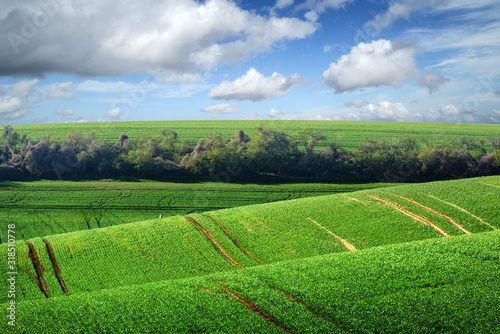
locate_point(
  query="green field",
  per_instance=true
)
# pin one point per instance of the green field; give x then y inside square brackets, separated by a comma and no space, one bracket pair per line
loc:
[237,238]
[350,133]
[43,208]
[447,285]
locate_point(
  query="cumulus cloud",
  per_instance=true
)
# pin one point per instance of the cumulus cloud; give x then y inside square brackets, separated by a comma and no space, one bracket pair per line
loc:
[18,99]
[254,86]
[184,36]
[431,80]
[222,108]
[449,110]
[384,111]
[273,114]
[372,64]
[113,113]
[357,103]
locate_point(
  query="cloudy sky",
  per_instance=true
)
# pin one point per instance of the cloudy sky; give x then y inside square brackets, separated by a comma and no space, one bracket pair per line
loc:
[115,60]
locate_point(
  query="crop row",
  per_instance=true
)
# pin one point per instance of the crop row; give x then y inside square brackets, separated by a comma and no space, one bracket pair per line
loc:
[446,285]
[231,239]
[44,208]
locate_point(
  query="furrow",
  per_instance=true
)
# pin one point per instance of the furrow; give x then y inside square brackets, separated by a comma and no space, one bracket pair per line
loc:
[409,214]
[56,267]
[254,309]
[234,241]
[346,243]
[216,244]
[38,267]
[436,213]
[344,327]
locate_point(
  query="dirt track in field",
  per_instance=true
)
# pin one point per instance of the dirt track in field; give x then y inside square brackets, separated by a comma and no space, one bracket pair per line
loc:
[462,209]
[39,268]
[346,243]
[212,239]
[234,241]
[434,212]
[254,309]
[409,214]
[56,267]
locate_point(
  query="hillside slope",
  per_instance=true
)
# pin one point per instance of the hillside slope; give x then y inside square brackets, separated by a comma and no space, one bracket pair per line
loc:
[448,285]
[234,239]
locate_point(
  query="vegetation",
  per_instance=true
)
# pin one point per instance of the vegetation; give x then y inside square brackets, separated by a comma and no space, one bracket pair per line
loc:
[270,151]
[434,286]
[41,208]
[237,238]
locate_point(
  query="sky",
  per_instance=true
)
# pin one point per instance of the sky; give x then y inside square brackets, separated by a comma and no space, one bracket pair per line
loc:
[126,60]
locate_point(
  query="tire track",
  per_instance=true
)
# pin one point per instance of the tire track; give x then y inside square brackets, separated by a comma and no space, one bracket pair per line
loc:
[56,267]
[39,268]
[409,214]
[212,239]
[346,243]
[344,327]
[462,209]
[234,241]
[436,213]
[254,308]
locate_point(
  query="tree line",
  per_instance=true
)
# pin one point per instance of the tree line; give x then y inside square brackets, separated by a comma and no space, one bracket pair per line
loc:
[303,154]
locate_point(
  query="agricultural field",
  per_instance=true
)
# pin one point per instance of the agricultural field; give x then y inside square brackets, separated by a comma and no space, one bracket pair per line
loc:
[43,208]
[237,239]
[447,285]
[349,133]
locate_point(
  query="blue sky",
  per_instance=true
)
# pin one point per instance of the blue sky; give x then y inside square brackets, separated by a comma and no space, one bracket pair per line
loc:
[110,60]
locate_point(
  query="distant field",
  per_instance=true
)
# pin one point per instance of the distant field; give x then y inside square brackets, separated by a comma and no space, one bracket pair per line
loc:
[233,239]
[43,208]
[435,286]
[351,133]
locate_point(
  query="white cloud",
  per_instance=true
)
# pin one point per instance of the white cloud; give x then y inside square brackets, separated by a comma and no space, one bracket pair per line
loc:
[63,90]
[402,10]
[495,116]
[23,88]
[222,108]
[10,104]
[449,110]
[273,114]
[321,6]
[113,113]
[431,80]
[384,111]
[17,114]
[181,37]
[327,48]
[63,113]
[280,4]
[373,64]
[357,103]
[254,86]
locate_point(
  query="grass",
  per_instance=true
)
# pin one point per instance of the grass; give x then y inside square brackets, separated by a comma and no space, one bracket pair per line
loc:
[230,239]
[448,285]
[43,208]
[351,133]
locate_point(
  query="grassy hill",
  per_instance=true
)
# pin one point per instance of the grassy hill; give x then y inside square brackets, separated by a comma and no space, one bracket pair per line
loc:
[41,208]
[351,133]
[447,285]
[257,235]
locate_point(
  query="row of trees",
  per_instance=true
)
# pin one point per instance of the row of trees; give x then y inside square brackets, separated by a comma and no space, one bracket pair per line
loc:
[305,153]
